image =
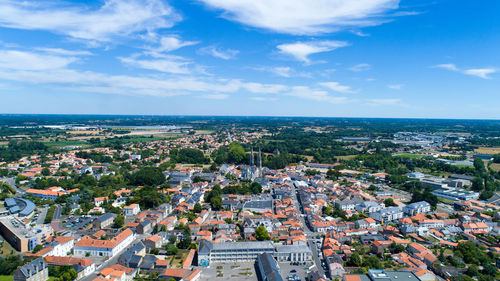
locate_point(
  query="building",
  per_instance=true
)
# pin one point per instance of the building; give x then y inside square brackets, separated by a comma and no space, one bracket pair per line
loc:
[104,248]
[20,206]
[82,266]
[104,221]
[456,194]
[293,253]
[249,251]
[23,237]
[417,208]
[36,270]
[259,206]
[268,268]
[388,214]
[131,210]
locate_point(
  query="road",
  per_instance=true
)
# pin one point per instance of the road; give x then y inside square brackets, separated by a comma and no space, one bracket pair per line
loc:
[12,182]
[41,217]
[310,235]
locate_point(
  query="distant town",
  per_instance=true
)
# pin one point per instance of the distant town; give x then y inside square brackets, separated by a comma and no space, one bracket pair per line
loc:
[96,198]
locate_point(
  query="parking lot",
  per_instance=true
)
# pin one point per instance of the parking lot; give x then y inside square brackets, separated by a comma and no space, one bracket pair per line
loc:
[230,271]
[77,222]
[293,272]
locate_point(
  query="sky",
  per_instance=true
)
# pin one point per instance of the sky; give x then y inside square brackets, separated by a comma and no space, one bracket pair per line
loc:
[331,58]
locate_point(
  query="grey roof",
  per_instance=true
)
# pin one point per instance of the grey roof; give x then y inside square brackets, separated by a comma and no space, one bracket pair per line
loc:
[205,247]
[236,246]
[148,262]
[32,267]
[258,204]
[382,275]
[417,204]
[269,267]
[293,249]
[106,217]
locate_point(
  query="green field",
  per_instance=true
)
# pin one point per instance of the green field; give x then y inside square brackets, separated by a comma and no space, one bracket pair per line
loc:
[6,277]
[409,155]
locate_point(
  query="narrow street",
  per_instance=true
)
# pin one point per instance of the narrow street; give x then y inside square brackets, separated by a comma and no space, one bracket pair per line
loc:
[308,233]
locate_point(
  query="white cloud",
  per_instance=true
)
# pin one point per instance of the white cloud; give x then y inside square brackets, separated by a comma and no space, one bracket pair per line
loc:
[305,16]
[483,73]
[317,95]
[114,18]
[226,54]
[36,68]
[215,96]
[164,63]
[302,50]
[480,72]
[377,102]
[283,71]
[360,67]
[258,88]
[20,60]
[171,43]
[337,87]
[263,98]
[58,51]
[448,66]
[395,86]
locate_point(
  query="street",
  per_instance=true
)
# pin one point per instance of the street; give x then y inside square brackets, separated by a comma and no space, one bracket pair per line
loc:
[310,236]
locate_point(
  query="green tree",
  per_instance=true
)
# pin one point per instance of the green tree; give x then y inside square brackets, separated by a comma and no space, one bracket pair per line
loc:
[355,260]
[119,221]
[389,202]
[236,153]
[148,176]
[261,233]
[197,208]
[45,172]
[216,203]
[37,248]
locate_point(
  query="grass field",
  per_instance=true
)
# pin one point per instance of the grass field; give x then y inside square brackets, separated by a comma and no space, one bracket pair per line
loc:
[487,150]
[6,249]
[345,157]
[179,259]
[6,277]
[495,167]
[409,155]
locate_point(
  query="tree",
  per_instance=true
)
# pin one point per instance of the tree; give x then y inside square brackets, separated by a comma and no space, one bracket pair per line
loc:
[37,248]
[389,202]
[472,271]
[372,262]
[45,172]
[152,176]
[197,208]
[477,184]
[171,249]
[355,260]
[185,240]
[172,239]
[119,221]
[261,233]
[216,203]
[236,153]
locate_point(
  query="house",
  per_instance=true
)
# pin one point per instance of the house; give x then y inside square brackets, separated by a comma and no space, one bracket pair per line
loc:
[118,272]
[388,214]
[154,242]
[369,207]
[104,248]
[181,274]
[479,227]
[144,227]
[349,204]
[366,223]
[417,208]
[268,268]
[104,221]
[131,210]
[36,270]
[82,266]
[98,201]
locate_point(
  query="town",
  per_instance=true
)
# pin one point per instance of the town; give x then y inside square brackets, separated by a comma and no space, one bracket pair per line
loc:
[228,200]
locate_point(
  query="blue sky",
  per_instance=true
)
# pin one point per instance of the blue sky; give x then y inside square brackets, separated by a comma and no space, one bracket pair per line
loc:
[338,58]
